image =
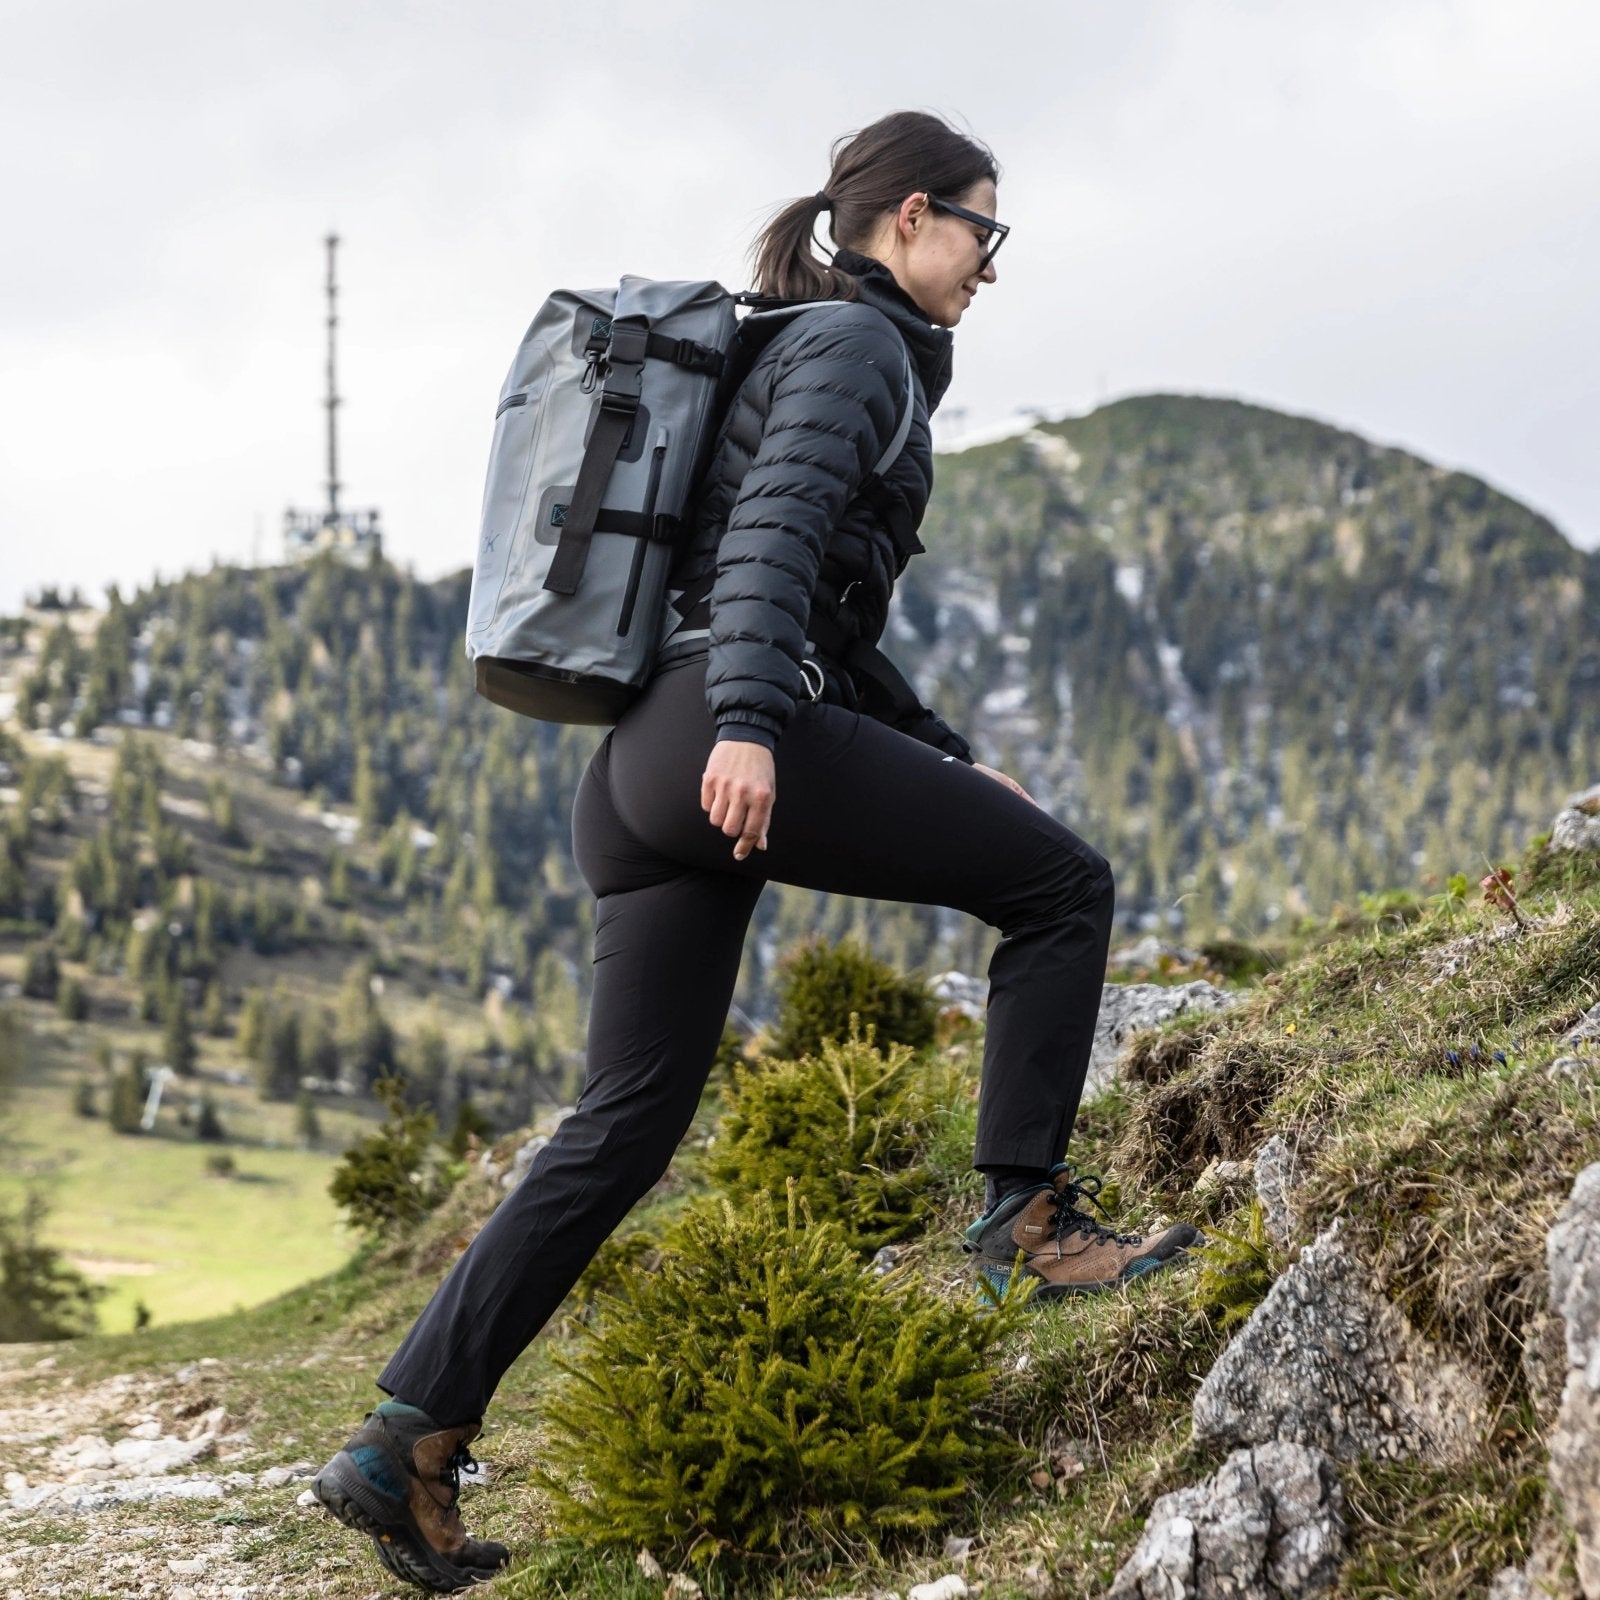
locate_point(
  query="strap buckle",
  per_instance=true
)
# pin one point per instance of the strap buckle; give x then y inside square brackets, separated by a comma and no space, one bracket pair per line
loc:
[624,383]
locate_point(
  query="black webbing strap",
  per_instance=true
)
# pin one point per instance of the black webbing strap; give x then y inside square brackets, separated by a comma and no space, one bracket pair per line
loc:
[660,528]
[685,353]
[880,682]
[619,400]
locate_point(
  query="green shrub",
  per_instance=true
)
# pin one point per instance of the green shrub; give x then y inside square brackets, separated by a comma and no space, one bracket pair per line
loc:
[1237,1268]
[765,1395]
[41,1296]
[390,1180]
[208,1123]
[821,986]
[83,1104]
[851,1125]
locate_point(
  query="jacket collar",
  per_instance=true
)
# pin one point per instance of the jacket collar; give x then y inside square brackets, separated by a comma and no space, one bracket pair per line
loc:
[931,348]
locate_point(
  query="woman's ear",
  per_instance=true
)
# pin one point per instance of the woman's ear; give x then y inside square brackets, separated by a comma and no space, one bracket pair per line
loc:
[912,210]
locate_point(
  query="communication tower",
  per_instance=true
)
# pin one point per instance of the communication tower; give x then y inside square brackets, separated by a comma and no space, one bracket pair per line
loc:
[353,536]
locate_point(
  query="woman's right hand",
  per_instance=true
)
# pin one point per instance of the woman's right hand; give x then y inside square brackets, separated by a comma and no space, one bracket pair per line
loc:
[737,791]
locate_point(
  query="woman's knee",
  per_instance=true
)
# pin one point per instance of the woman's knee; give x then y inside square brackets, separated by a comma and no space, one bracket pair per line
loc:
[1080,883]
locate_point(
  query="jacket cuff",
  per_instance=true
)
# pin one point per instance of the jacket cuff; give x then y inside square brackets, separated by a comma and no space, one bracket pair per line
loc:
[746,733]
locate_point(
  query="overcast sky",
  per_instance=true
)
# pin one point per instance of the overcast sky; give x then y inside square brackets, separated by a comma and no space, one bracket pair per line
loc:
[1384,213]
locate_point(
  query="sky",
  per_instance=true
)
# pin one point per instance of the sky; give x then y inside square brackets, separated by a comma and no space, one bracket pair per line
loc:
[1383,213]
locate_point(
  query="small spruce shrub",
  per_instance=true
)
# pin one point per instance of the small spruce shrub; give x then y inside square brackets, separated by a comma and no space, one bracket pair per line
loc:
[822,986]
[765,1396]
[1237,1268]
[220,1164]
[389,1181]
[853,1126]
[83,1102]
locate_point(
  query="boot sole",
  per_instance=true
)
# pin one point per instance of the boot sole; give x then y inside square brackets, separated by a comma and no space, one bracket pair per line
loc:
[346,1495]
[998,1277]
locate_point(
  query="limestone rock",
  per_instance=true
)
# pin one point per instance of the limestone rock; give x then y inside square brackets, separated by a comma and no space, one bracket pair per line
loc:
[1326,1361]
[952,1586]
[1268,1523]
[1588,1029]
[1277,1174]
[957,991]
[1149,952]
[1128,1008]
[1573,1252]
[1577,825]
[1511,1583]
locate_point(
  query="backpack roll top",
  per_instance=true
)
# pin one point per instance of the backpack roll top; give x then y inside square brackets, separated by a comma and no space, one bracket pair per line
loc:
[599,435]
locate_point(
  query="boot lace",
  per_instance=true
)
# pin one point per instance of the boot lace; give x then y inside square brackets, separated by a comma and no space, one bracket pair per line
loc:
[461,1460]
[1069,1219]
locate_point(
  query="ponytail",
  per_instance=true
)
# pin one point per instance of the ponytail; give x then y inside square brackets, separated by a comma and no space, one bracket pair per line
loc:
[873,171]
[785,264]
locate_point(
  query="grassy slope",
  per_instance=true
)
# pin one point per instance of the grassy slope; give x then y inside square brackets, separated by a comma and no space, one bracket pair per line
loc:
[1448,1173]
[143,1209]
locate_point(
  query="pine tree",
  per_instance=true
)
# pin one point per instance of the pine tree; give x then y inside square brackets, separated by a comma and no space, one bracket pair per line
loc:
[178,1045]
[307,1124]
[128,1096]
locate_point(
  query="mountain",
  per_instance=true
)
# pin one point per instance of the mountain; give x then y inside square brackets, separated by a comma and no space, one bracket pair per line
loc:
[1265,665]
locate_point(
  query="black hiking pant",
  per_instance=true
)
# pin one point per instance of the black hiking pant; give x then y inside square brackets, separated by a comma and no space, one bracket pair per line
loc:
[860,810]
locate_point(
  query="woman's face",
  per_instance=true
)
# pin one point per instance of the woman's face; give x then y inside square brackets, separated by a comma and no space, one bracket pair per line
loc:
[938,258]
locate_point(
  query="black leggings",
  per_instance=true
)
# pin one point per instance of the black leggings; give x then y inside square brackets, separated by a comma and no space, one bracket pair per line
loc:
[860,810]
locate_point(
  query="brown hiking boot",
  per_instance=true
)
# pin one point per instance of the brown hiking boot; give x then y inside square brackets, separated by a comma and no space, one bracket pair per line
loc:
[398,1481]
[1062,1246]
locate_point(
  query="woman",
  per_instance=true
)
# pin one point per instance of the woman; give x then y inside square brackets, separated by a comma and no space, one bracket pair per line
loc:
[773,744]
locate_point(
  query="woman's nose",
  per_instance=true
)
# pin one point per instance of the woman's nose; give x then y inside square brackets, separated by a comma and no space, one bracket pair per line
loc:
[988,273]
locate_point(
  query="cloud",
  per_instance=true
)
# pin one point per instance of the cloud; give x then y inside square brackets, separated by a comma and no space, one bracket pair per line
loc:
[1379,213]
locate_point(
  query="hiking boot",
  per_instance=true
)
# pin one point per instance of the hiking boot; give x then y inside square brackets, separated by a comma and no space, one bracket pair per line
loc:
[1061,1245]
[398,1481]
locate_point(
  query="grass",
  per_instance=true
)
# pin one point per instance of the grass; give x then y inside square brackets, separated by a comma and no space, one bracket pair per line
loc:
[1446,1167]
[142,1213]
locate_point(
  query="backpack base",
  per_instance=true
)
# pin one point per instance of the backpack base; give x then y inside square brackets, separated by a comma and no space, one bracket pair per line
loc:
[551,694]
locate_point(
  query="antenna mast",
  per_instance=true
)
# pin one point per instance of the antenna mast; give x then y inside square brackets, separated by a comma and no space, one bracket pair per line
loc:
[333,392]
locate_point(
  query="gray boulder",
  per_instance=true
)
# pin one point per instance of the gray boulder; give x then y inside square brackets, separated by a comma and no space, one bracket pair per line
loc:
[1129,1008]
[1326,1361]
[958,991]
[1149,952]
[1277,1174]
[1577,825]
[1268,1523]
[1573,1252]
[1587,1030]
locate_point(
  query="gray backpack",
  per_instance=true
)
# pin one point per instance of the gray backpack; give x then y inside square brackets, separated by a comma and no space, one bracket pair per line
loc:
[604,426]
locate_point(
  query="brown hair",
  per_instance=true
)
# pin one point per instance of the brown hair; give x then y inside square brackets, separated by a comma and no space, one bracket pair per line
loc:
[872,172]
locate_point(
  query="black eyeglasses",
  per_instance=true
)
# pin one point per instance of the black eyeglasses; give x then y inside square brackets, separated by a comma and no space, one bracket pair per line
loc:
[994,232]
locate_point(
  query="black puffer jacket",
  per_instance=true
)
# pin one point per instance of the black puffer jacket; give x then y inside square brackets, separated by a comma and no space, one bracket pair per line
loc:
[789,546]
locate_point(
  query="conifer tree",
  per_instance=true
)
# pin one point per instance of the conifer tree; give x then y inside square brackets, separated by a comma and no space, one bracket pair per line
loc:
[178,1044]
